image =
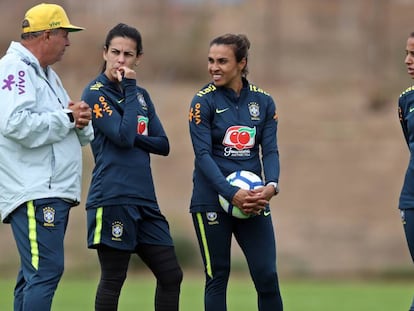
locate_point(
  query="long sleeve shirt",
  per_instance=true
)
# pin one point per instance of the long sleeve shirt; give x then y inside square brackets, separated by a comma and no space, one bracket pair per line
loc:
[127,129]
[231,133]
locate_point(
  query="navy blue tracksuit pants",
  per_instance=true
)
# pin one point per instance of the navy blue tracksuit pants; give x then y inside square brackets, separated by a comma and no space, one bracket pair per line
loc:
[256,239]
[407,217]
[39,228]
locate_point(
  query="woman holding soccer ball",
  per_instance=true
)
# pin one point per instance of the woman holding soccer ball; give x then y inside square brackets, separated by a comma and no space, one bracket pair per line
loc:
[233,127]
[122,210]
[405,110]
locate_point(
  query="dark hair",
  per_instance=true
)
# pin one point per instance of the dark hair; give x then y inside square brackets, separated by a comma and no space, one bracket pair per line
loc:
[412,35]
[123,30]
[240,45]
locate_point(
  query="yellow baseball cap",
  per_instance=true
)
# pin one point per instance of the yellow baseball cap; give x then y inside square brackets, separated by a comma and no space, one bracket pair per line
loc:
[46,16]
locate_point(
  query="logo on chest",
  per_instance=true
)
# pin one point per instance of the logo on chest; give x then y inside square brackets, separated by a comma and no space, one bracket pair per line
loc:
[254,111]
[239,137]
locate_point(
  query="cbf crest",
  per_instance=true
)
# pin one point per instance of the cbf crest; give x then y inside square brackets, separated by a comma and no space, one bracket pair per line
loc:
[49,216]
[212,218]
[402,213]
[141,101]
[117,230]
[254,111]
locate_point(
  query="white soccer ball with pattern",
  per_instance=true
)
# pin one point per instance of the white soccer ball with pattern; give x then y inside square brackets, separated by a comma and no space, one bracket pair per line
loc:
[245,180]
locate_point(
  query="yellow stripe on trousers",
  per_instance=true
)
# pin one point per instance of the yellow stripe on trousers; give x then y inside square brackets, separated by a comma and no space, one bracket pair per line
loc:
[205,245]
[34,247]
[98,227]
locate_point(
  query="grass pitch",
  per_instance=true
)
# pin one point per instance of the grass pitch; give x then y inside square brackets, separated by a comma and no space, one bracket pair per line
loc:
[138,292]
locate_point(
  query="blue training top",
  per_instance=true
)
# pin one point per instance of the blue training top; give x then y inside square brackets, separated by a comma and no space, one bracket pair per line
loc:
[406,115]
[127,129]
[231,133]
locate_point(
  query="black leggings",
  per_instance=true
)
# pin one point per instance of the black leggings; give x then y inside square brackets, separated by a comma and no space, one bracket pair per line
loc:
[407,217]
[160,259]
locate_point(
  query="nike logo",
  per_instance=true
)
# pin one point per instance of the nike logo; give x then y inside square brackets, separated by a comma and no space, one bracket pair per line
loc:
[221,110]
[266,213]
[411,109]
[120,100]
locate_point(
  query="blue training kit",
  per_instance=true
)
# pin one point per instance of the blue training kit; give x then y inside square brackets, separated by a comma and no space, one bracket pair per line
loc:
[127,129]
[406,115]
[231,133]
[406,202]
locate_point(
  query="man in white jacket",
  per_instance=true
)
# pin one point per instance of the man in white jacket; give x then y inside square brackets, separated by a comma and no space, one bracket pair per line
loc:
[41,135]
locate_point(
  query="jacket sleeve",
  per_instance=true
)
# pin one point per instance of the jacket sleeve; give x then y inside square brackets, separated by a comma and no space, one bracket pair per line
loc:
[401,115]
[85,135]
[200,133]
[270,152]
[119,128]
[156,141]
[22,119]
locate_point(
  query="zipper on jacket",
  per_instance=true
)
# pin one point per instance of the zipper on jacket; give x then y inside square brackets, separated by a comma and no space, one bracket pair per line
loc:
[52,166]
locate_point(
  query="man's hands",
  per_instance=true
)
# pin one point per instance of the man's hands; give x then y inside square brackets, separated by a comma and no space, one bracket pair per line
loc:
[82,113]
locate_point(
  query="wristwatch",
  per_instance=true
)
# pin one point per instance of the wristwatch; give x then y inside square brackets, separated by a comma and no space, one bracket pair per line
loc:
[70,116]
[275,186]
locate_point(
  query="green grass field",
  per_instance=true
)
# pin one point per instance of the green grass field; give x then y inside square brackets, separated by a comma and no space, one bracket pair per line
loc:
[137,294]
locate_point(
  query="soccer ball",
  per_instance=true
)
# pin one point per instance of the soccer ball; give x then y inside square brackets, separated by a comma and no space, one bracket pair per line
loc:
[245,180]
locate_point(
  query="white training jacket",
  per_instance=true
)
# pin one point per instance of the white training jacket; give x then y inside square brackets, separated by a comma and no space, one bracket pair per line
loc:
[40,149]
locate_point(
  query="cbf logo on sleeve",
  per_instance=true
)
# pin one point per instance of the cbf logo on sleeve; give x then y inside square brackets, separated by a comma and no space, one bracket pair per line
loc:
[141,101]
[240,137]
[48,216]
